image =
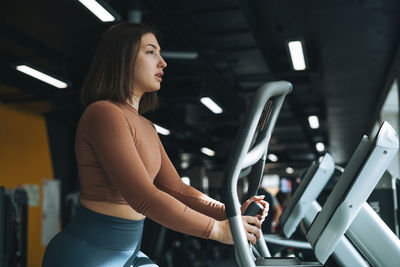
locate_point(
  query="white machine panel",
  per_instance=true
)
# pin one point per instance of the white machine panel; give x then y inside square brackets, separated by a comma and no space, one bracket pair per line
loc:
[360,177]
[309,189]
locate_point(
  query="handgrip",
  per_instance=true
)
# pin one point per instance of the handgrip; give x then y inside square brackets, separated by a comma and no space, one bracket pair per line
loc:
[253,209]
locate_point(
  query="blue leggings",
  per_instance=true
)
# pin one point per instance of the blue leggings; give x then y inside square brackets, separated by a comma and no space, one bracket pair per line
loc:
[98,240]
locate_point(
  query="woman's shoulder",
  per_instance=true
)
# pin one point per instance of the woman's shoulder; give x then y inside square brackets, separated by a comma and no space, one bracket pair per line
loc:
[102,106]
[102,110]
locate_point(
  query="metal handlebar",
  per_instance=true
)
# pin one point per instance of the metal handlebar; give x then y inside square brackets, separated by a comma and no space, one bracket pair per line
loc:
[242,158]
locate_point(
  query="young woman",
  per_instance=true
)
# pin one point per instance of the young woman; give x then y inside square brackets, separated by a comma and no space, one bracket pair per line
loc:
[125,173]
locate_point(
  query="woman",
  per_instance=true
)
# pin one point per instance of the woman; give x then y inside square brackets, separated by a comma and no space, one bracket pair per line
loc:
[125,173]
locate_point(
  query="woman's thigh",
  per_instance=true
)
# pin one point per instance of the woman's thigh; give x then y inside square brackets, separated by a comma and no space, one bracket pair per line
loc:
[66,250]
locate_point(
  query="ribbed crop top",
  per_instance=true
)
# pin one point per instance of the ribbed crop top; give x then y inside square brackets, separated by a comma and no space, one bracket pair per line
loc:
[122,160]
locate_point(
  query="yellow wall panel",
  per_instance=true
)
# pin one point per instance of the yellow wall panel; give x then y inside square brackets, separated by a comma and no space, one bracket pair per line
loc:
[25,159]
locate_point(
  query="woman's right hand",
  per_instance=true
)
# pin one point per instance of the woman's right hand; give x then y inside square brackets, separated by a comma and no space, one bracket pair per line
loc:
[222,233]
[252,226]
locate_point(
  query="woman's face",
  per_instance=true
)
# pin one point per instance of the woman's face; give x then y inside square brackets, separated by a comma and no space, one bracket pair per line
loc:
[149,65]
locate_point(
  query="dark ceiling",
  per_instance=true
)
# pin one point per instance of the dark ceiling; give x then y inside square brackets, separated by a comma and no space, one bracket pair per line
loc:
[352,53]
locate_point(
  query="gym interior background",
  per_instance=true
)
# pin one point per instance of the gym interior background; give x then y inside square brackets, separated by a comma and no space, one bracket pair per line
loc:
[223,50]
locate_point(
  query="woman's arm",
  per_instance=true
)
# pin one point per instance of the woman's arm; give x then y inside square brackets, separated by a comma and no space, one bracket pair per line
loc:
[169,181]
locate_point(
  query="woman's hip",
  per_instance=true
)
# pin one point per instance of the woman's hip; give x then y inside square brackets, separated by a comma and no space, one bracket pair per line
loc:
[94,239]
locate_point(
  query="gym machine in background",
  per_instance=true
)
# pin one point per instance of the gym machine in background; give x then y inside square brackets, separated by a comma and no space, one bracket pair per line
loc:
[13,227]
[304,207]
[384,201]
[344,212]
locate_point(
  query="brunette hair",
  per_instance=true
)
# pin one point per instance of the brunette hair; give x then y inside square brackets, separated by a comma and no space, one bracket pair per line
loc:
[111,74]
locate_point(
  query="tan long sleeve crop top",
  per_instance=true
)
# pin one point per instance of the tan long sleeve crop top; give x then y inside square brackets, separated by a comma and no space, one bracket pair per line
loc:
[121,160]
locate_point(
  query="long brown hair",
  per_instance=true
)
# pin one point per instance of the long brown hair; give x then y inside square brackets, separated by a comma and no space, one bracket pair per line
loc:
[111,74]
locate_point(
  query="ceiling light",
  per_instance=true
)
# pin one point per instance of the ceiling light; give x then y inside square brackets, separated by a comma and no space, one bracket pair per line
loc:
[186,180]
[185,156]
[41,76]
[211,105]
[207,151]
[273,157]
[289,170]
[313,121]
[162,130]
[297,56]
[320,146]
[98,10]
[184,165]
[179,55]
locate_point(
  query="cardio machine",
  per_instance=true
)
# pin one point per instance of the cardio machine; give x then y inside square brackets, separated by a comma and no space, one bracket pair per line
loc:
[303,206]
[346,212]
[247,152]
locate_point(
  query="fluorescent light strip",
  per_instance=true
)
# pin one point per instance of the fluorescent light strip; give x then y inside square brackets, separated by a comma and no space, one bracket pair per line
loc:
[179,55]
[211,105]
[313,121]
[207,151]
[272,157]
[162,130]
[289,170]
[297,56]
[98,10]
[320,146]
[41,76]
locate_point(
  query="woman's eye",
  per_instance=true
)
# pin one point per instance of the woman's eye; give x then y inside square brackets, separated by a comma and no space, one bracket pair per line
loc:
[150,52]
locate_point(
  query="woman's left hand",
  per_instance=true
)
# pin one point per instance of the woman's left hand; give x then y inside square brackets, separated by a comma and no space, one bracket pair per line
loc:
[258,199]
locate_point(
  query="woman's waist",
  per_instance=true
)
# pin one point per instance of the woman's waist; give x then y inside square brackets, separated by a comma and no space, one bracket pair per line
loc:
[123,211]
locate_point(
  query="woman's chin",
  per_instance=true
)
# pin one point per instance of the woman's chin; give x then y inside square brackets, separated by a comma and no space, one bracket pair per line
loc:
[153,89]
[156,89]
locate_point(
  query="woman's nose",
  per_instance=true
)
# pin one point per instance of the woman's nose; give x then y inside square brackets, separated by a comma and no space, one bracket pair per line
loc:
[163,64]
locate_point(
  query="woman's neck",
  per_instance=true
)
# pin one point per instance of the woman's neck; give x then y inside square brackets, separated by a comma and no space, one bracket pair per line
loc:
[134,101]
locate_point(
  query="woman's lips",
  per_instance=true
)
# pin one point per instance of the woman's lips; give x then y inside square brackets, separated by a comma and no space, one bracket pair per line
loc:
[159,76]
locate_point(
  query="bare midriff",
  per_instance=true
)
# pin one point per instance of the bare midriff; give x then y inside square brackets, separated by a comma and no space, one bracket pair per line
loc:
[112,209]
